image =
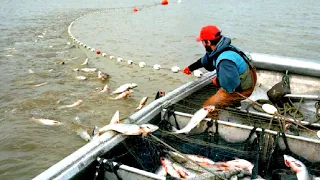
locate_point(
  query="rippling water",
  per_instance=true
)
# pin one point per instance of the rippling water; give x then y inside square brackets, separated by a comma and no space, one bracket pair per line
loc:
[34,36]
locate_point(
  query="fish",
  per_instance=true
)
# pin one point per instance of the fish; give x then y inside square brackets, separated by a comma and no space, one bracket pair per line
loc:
[124,94]
[197,158]
[71,105]
[142,102]
[195,120]
[240,164]
[41,84]
[124,87]
[297,166]
[48,122]
[84,135]
[161,171]
[30,71]
[105,88]
[184,173]
[88,69]
[168,166]
[128,129]
[103,76]
[85,62]
[81,77]
[115,118]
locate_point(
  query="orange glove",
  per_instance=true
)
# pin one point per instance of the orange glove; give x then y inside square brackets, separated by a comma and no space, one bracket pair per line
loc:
[187,70]
[215,82]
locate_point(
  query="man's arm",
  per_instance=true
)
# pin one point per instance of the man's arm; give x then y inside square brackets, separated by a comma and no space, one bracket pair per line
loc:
[192,67]
[228,75]
[195,65]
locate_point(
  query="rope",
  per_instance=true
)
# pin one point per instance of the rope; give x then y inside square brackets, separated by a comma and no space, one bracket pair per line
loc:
[280,116]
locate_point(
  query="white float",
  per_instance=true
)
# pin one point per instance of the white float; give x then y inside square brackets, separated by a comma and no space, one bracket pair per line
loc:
[156,67]
[142,64]
[175,69]
[119,59]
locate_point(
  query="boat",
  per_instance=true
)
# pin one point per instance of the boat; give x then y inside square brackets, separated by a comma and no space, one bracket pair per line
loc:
[240,132]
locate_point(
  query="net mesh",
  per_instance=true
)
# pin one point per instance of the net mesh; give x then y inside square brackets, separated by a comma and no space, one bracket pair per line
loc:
[145,152]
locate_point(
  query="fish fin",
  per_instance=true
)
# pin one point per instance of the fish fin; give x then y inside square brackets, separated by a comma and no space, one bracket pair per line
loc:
[115,118]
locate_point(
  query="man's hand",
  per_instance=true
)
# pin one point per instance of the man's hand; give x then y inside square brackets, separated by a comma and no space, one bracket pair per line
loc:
[215,82]
[187,70]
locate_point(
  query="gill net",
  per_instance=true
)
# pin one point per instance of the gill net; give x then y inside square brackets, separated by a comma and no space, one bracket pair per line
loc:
[259,148]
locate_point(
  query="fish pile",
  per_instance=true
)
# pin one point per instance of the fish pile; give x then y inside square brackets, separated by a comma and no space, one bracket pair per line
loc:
[177,166]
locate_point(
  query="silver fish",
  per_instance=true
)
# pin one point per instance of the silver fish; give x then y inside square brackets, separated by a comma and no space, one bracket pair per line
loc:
[161,171]
[84,135]
[196,119]
[103,76]
[124,88]
[167,164]
[48,122]
[88,69]
[142,102]
[129,129]
[71,105]
[124,94]
[81,77]
[196,158]
[184,173]
[297,166]
[105,88]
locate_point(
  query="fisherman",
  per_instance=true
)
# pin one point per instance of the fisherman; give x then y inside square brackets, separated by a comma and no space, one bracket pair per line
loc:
[235,73]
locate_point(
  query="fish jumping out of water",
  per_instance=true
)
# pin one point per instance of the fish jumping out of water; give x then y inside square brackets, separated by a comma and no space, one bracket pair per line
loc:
[142,102]
[48,122]
[124,87]
[71,105]
[297,166]
[128,129]
[196,119]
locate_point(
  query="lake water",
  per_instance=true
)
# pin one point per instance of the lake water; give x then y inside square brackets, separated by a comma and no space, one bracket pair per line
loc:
[34,36]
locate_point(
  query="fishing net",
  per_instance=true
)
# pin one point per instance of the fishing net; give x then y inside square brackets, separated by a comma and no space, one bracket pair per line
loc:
[145,152]
[259,148]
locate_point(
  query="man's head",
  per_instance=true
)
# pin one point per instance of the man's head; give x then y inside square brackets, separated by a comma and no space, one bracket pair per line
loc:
[209,35]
